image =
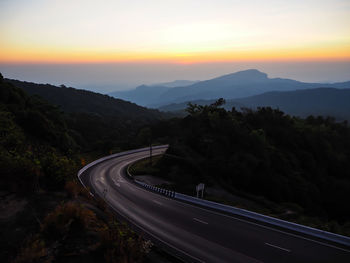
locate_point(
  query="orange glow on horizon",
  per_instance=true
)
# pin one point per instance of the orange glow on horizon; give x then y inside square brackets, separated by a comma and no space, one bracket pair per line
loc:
[13,54]
[47,56]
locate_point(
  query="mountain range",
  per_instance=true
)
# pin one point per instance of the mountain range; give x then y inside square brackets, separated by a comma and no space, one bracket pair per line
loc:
[144,94]
[236,85]
[176,83]
[318,102]
[293,97]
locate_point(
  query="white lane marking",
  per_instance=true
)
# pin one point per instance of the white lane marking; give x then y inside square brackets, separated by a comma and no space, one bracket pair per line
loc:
[249,222]
[281,248]
[157,202]
[252,223]
[116,182]
[262,226]
[200,221]
[156,237]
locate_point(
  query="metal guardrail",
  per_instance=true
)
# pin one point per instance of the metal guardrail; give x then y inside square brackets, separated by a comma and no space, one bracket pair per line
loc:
[159,190]
[267,219]
[225,208]
[252,215]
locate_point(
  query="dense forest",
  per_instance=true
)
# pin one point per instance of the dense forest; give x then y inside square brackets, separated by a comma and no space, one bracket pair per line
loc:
[83,101]
[97,122]
[302,163]
[46,215]
[34,139]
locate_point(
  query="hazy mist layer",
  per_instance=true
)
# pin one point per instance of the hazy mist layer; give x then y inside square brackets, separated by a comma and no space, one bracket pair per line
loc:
[105,78]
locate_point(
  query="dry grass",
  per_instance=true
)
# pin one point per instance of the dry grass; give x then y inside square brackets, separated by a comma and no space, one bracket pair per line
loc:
[68,217]
[75,189]
[34,251]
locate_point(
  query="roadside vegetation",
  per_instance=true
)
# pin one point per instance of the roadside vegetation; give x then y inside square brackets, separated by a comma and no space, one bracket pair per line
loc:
[293,168]
[296,169]
[82,229]
[46,216]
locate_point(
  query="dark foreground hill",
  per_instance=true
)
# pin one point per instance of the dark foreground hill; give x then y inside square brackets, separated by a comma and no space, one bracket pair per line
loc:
[97,122]
[318,102]
[83,101]
[46,216]
[302,165]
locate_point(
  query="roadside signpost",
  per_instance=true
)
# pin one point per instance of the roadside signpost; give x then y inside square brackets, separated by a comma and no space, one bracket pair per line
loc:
[200,188]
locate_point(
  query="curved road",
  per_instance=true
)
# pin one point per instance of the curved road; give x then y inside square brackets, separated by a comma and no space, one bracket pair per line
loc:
[199,234]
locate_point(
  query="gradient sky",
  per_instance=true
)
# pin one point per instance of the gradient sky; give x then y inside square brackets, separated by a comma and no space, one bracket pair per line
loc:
[168,32]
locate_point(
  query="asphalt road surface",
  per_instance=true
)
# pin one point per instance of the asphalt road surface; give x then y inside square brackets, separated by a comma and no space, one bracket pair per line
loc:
[198,234]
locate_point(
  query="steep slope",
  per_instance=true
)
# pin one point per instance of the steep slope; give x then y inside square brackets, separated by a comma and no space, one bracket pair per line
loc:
[82,101]
[98,123]
[46,216]
[41,122]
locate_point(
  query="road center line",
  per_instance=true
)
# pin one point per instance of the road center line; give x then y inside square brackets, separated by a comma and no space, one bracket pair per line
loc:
[281,248]
[262,226]
[200,221]
[157,202]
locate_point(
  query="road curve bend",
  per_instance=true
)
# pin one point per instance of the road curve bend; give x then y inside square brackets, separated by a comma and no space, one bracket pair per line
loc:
[194,233]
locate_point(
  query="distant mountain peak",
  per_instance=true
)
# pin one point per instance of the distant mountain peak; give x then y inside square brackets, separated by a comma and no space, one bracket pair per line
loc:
[235,85]
[246,75]
[143,86]
[176,83]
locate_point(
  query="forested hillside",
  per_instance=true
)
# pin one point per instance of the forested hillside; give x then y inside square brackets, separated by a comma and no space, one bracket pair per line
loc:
[302,165]
[34,137]
[46,216]
[301,162]
[83,101]
[97,122]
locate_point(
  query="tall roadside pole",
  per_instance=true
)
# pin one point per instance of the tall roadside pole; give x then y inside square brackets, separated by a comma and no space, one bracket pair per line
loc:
[150,154]
[150,148]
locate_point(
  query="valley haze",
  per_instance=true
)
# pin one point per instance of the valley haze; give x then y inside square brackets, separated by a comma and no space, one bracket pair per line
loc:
[117,76]
[231,86]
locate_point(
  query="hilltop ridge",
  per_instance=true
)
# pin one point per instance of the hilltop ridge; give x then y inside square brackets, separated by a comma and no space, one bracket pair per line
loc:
[230,86]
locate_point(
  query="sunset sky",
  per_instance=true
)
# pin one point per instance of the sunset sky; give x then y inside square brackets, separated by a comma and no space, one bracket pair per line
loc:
[174,32]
